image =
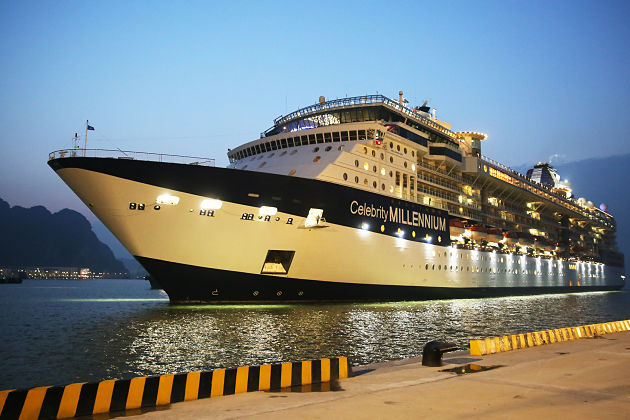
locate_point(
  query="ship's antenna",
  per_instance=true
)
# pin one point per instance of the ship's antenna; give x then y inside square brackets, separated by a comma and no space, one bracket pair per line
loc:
[87,126]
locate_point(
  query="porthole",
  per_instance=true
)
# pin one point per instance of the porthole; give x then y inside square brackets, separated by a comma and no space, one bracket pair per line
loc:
[398,147]
[383,171]
[366,166]
[391,159]
[271,155]
[433,267]
[356,179]
[413,153]
[405,164]
[315,150]
[391,174]
[374,184]
[391,145]
[261,156]
[293,152]
[356,163]
[317,159]
[262,164]
[245,166]
[283,153]
[365,150]
[328,148]
[345,176]
[391,188]
[374,168]
[292,172]
[405,150]
[373,153]
[156,207]
[365,181]
[426,266]
[382,228]
[382,156]
[383,187]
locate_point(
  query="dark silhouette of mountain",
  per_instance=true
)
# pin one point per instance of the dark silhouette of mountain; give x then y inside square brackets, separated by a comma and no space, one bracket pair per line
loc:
[37,238]
[602,180]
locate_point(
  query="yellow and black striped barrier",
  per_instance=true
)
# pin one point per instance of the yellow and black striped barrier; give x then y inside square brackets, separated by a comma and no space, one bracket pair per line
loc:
[85,399]
[539,338]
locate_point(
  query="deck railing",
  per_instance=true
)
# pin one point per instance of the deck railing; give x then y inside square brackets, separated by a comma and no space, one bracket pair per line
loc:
[130,155]
[360,100]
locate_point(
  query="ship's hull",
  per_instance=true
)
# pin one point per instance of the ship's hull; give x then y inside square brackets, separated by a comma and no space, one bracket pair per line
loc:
[370,247]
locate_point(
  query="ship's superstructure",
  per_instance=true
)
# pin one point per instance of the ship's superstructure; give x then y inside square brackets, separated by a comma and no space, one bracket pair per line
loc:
[350,199]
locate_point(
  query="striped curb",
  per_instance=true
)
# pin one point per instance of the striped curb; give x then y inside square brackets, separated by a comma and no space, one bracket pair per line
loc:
[85,399]
[539,338]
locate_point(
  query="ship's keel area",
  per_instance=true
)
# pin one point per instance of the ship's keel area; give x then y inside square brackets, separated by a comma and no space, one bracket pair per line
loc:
[239,252]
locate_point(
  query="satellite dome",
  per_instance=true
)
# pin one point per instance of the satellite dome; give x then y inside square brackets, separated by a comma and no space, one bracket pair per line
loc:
[603,207]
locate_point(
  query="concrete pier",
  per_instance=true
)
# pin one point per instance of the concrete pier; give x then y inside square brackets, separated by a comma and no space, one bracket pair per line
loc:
[588,378]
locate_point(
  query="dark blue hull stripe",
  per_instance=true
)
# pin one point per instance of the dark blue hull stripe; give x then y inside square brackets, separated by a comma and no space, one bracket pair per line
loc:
[190,284]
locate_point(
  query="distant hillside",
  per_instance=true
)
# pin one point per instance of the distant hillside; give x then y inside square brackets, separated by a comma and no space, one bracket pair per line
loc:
[37,238]
[602,180]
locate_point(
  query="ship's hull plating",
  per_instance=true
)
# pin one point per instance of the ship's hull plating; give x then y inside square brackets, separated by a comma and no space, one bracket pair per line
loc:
[396,250]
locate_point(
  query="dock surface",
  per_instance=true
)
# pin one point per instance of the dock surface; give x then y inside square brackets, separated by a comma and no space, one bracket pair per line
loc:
[587,378]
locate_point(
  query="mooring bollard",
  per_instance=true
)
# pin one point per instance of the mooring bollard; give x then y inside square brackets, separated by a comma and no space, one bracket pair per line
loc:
[433,351]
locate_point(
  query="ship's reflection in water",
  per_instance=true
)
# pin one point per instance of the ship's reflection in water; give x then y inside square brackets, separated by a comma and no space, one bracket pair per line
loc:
[87,335]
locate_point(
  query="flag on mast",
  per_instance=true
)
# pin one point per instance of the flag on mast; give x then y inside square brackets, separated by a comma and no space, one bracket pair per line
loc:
[89,127]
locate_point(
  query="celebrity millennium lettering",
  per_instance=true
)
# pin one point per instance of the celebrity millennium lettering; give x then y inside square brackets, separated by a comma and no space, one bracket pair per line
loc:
[398,215]
[355,199]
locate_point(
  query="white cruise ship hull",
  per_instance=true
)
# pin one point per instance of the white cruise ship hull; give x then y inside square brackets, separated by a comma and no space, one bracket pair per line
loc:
[260,247]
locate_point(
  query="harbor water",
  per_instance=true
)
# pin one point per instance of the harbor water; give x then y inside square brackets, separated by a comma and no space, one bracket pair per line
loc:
[56,332]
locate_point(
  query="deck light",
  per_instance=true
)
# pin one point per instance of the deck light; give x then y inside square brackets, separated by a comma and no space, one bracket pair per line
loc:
[211,204]
[267,211]
[171,200]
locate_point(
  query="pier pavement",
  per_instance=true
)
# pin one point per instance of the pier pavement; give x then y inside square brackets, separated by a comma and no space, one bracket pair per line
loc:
[588,378]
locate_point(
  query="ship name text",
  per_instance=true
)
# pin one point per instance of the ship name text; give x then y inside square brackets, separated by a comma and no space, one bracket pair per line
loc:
[398,215]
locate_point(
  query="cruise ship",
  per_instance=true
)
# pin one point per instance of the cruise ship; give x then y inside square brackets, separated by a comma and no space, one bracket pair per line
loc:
[354,199]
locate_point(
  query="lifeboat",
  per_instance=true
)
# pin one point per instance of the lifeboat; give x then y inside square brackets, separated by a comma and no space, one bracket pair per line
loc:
[511,238]
[495,235]
[478,233]
[456,228]
[525,239]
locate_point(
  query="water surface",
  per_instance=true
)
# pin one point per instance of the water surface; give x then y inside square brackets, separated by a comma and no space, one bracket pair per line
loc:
[64,331]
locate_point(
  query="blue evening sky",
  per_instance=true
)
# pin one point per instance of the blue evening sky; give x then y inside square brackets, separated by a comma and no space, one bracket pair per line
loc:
[194,78]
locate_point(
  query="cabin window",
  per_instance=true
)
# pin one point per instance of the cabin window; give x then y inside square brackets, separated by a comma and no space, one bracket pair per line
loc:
[283,143]
[320,138]
[315,150]
[353,136]
[370,134]
[344,136]
[335,136]
[296,141]
[304,140]
[267,147]
[311,139]
[274,145]
[327,138]
[258,149]
[290,141]
[362,135]
[328,148]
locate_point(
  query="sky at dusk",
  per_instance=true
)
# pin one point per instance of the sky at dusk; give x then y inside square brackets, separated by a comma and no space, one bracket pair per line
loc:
[194,78]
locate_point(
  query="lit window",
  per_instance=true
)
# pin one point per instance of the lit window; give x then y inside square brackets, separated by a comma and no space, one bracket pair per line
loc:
[317,159]
[141,206]
[366,166]
[132,206]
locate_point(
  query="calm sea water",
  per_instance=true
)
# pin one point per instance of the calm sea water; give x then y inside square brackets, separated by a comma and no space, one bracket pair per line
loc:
[60,332]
